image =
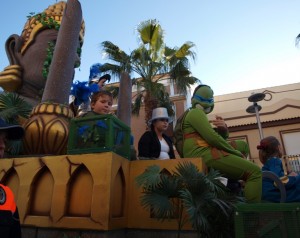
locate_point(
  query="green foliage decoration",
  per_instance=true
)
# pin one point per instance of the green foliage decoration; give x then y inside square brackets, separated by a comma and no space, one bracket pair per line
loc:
[14,110]
[201,199]
[45,20]
[48,60]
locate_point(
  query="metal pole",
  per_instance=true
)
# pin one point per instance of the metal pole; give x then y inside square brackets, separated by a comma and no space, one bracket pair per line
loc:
[258,120]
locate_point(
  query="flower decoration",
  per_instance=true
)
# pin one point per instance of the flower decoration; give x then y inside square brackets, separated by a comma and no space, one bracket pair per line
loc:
[84,132]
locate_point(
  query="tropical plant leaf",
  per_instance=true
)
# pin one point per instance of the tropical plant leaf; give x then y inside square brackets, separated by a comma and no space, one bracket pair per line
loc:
[201,195]
[150,177]
[152,61]
[13,110]
[137,104]
[12,106]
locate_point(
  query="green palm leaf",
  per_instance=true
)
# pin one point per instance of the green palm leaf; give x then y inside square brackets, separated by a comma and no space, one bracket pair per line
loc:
[150,177]
[206,200]
[13,109]
[152,61]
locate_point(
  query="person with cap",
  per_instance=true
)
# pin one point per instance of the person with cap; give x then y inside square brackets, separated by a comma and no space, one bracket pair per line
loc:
[82,91]
[9,217]
[201,140]
[155,144]
[97,77]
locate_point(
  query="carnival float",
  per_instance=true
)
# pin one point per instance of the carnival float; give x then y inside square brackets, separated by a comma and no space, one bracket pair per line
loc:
[67,183]
[83,187]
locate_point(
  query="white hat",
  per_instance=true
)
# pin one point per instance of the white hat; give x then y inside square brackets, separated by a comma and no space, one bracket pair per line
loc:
[159,112]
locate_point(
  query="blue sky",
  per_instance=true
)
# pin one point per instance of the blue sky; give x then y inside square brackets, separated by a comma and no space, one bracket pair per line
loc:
[240,45]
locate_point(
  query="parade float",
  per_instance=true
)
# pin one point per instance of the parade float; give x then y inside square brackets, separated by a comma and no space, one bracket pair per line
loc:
[71,184]
[80,189]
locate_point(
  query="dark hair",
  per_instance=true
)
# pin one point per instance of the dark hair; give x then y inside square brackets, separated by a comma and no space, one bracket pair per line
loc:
[95,96]
[268,147]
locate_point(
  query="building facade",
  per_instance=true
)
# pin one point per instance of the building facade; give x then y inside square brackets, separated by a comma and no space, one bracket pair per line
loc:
[279,116]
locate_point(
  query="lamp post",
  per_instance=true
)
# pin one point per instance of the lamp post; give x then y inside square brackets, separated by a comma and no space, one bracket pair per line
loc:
[255,108]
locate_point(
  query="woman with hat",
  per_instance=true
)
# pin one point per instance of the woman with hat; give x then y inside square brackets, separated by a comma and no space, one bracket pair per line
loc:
[154,144]
[9,217]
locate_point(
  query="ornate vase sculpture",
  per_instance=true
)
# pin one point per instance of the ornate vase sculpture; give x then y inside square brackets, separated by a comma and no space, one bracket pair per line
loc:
[47,130]
[42,70]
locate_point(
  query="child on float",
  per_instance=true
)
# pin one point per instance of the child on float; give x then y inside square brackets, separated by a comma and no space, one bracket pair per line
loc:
[270,152]
[81,91]
[202,141]
[101,104]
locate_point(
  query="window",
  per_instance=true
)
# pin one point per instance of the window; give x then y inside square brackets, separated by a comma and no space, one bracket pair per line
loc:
[291,142]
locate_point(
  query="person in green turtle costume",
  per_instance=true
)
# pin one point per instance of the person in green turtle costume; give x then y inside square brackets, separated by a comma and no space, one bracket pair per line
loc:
[201,140]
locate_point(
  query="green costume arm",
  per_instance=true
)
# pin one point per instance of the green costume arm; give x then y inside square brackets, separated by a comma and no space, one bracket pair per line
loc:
[199,122]
[222,132]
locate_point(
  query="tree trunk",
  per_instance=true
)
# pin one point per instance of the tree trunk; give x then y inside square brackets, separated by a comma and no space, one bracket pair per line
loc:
[124,99]
[61,72]
[150,103]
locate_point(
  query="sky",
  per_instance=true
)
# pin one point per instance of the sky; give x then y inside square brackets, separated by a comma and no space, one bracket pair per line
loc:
[241,45]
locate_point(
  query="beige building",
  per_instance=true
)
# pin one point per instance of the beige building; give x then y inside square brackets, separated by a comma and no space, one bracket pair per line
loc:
[279,116]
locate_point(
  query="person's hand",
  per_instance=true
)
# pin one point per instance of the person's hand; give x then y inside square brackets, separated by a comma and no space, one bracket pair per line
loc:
[219,122]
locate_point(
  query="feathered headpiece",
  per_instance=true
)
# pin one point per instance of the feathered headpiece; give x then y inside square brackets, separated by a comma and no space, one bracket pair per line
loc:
[82,91]
[95,71]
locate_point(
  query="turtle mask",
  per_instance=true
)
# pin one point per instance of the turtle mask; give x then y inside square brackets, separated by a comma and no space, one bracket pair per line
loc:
[203,98]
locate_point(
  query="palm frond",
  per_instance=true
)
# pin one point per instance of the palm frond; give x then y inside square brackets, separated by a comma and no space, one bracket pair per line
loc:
[150,178]
[114,90]
[114,53]
[297,40]
[201,195]
[13,109]
[12,106]
[185,51]
[137,104]
[150,32]
[152,58]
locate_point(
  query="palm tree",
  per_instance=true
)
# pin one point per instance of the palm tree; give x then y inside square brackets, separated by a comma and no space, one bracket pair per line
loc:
[297,40]
[153,62]
[14,110]
[203,199]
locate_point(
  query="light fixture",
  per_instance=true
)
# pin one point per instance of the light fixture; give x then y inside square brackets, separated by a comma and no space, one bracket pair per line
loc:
[255,108]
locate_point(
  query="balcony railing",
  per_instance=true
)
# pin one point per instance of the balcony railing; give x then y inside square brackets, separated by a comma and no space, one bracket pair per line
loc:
[291,163]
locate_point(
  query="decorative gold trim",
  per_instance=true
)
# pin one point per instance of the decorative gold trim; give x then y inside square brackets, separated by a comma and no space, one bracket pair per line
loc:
[52,108]
[33,26]
[10,78]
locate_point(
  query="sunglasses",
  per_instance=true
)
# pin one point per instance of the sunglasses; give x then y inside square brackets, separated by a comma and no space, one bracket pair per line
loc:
[163,119]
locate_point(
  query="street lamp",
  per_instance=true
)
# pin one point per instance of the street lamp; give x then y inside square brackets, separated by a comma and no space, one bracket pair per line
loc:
[255,108]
